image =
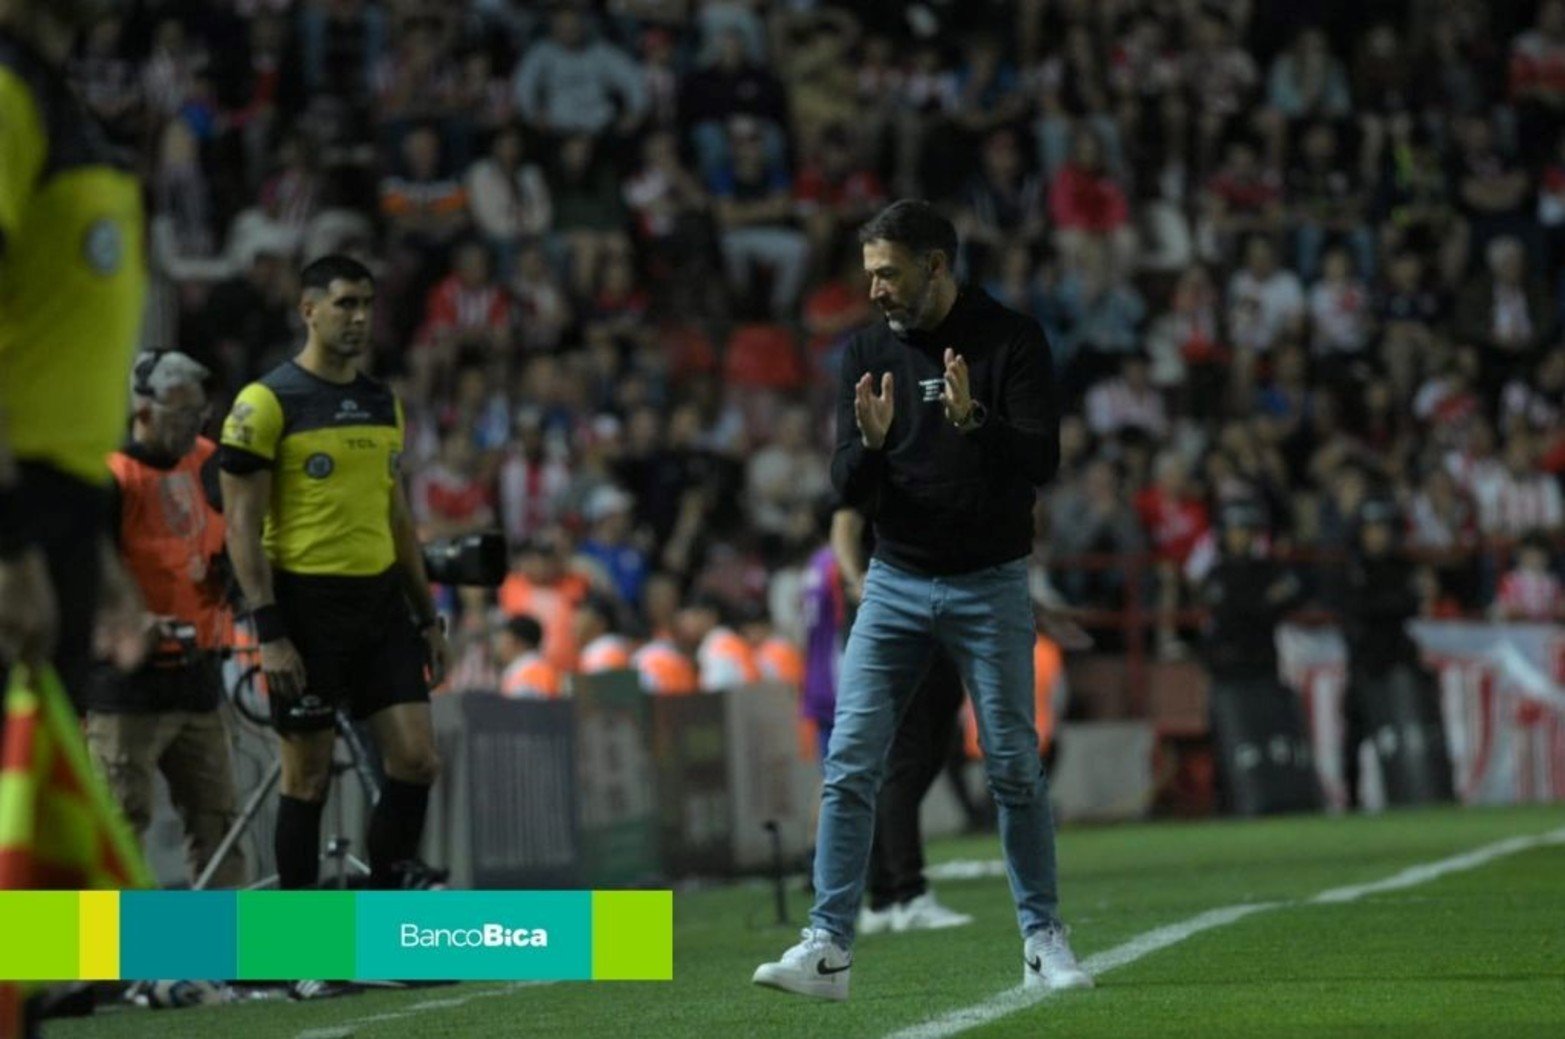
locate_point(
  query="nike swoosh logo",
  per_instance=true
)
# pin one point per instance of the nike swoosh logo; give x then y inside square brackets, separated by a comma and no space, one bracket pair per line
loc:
[1034,965]
[825,971]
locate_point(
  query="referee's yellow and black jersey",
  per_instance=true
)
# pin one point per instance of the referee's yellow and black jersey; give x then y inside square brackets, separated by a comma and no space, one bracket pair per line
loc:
[73,279]
[334,450]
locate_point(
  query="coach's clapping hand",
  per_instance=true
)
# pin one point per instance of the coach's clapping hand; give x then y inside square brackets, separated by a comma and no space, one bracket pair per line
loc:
[283,668]
[873,411]
[956,397]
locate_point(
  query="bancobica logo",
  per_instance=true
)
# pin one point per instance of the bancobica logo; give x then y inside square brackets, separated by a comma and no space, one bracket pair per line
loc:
[489,936]
[103,246]
[932,388]
[318,466]
[349,411]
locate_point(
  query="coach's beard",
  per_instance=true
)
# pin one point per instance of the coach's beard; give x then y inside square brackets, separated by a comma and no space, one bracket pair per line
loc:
[903,321]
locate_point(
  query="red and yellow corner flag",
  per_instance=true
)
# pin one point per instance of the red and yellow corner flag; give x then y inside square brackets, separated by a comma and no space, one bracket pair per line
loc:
[59,826]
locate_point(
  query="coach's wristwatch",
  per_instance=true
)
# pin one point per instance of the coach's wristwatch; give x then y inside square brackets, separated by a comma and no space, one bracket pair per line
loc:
[976,415]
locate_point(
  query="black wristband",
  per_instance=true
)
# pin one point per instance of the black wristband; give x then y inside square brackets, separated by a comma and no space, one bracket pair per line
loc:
[269,625]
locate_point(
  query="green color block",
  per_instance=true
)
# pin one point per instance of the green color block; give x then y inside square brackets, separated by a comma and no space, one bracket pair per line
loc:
[296,934]
[41,931]
[633,936]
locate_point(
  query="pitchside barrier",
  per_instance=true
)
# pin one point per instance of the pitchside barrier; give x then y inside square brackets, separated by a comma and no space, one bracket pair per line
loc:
[607,788]
[1500,690]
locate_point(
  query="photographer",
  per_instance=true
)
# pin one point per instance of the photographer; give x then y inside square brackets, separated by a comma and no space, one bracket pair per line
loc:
[164,716]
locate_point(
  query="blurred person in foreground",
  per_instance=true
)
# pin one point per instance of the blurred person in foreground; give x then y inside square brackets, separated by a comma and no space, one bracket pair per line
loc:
[73,284]
[946,422]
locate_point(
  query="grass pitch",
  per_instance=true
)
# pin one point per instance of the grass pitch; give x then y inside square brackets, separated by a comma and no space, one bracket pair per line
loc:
[1480,952]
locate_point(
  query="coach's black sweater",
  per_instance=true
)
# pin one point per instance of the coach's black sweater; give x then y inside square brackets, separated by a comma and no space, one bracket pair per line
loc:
[945,502]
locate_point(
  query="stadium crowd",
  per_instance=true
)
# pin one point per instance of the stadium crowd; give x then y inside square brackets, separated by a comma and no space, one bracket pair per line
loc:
[1302,266]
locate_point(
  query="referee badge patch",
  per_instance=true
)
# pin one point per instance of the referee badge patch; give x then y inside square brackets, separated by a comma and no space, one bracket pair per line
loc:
[103,246]
[318,466]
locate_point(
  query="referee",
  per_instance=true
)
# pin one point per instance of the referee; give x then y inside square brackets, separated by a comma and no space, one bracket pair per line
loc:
[72,288]
[323,544]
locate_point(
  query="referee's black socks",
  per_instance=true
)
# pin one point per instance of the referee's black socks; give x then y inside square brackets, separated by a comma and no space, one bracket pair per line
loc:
[298,842]
[396,827]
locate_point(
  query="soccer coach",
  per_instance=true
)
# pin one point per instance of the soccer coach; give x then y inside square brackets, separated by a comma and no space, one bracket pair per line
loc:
[946,422]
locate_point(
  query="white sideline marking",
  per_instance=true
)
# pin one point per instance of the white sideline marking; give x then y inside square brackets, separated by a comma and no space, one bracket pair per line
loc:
[347,1028]
[1146,943]
[1012,1000]
[1414,875]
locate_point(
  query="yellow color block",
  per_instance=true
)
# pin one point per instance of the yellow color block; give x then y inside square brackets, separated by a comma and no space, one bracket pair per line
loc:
[99,947]
[632,936]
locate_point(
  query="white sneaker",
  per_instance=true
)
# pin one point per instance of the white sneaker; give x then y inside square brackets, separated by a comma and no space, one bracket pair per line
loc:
[817,967]
[1050,963]
[877,921]
[925,913]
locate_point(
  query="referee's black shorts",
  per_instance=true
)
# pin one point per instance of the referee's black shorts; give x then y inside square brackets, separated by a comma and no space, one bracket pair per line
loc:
[361,649]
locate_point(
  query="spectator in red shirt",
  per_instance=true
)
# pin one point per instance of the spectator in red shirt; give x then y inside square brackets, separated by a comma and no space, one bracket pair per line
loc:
[1530,591]
[1537,79]
[671,214]
[1088,207]
[1241,198]
[620,303]
[449,498]
[836,307]
[465,310]
[1175,520]
[835,190]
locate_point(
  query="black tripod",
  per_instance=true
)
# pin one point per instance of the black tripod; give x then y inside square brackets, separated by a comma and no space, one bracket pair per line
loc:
[337,847]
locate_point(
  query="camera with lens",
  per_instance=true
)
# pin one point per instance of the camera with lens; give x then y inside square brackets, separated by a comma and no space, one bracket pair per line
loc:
[475,560]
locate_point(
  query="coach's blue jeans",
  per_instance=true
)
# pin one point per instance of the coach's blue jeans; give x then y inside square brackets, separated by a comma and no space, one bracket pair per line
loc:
[984,620]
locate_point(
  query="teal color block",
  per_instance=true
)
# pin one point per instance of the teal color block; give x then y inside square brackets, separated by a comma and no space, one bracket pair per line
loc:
[191,935]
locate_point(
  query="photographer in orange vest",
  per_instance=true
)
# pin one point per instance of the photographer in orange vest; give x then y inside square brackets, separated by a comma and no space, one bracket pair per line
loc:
[164,717]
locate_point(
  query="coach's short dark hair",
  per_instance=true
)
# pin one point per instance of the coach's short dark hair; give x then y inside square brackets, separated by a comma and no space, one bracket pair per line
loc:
[912,223]
[321,273]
